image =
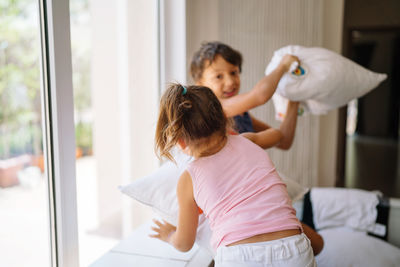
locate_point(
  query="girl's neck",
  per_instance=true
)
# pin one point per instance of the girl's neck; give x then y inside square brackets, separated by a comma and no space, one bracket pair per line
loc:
[210,147]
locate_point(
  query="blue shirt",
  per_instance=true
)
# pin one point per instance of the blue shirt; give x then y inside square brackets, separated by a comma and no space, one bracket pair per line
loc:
[243,123]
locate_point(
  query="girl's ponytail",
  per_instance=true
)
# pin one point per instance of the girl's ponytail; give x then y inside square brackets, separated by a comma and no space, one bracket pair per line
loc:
[190,113]
[169,120]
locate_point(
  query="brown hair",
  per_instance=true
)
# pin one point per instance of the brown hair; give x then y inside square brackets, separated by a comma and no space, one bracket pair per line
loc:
[192,114]
[207,53]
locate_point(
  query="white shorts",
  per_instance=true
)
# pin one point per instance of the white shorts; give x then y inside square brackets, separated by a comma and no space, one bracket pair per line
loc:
[293,251]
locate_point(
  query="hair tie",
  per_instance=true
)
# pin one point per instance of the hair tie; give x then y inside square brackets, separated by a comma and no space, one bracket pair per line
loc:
[184,90]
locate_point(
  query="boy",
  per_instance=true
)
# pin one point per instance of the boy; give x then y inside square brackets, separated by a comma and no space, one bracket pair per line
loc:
[218,67]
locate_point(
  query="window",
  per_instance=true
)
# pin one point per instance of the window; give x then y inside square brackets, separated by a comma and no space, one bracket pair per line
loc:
[79,85]
[24,220]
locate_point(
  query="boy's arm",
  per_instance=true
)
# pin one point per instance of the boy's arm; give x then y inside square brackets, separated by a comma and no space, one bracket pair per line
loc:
[183,236]
[267,137]
[288,126]
[260,93]
[259,125]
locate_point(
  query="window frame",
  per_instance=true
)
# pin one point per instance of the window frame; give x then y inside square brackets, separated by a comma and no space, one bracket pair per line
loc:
[59,133]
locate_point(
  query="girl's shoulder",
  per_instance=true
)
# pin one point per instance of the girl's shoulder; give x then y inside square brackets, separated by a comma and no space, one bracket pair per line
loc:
[243,143]
[247,148]
[238,138]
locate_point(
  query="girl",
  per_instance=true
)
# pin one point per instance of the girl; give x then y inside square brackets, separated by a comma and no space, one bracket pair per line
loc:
[233,181]
[218,66]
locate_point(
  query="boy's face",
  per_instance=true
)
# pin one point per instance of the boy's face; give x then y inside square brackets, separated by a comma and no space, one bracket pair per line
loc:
[221,77]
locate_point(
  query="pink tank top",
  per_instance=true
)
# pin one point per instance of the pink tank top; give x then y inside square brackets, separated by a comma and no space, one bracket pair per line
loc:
[241,193]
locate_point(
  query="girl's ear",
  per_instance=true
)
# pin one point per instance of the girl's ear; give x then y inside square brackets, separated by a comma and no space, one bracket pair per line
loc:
[184,147]
[182,144]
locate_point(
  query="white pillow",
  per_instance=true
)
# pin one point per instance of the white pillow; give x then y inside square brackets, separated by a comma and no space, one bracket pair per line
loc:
[295,190]
[347,248]
[325,81]
[158,190]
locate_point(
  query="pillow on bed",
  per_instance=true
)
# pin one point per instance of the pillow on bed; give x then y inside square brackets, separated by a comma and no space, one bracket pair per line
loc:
[158,189]
[295,190]
[324,81]
[347,248]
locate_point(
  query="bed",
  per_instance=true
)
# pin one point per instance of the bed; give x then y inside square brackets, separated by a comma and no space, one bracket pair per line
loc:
[343,246]
[347,243]
[348,247]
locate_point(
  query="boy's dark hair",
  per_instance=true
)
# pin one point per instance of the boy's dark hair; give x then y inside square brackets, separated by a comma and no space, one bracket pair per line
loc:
[206,55]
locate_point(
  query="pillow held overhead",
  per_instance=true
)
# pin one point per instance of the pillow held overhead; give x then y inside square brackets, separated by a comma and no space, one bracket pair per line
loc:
[324,81]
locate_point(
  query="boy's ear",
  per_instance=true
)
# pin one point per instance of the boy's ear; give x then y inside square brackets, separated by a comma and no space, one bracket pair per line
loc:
[182,144]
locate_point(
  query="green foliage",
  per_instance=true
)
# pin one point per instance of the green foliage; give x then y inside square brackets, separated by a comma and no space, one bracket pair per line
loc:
[19,77]
[20,103]
[20,140]
[83,134]
[80,45]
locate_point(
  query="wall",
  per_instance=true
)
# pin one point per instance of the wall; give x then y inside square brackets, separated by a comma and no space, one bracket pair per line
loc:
[257,28]
[125,86]
[105,94]
[332,39]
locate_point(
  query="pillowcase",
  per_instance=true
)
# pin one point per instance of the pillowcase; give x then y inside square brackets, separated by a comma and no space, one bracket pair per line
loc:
[295,190]
[324,81]
[350,207]
[158,189]
[344,247]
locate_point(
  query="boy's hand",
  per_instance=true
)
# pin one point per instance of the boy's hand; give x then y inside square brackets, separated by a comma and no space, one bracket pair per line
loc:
[164,230]
[287,61]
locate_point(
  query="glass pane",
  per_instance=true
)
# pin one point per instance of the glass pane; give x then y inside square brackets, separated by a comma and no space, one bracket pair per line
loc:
[24,225]
[111,151]
[90,243]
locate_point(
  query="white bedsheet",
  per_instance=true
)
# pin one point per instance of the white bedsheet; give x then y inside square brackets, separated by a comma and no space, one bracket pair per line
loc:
[348,248]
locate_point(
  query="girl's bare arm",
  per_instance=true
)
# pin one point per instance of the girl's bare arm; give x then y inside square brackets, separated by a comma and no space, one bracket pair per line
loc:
[183,236]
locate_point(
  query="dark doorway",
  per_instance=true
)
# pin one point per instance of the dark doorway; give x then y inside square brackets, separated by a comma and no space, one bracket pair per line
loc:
[372,132]
[369,148]
[378,111]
